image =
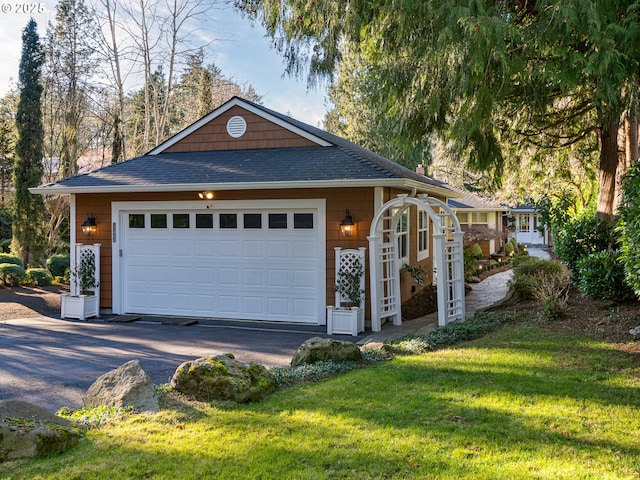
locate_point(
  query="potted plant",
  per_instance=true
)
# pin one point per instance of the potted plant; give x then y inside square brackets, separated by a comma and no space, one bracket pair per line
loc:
[347,319]
[87,303]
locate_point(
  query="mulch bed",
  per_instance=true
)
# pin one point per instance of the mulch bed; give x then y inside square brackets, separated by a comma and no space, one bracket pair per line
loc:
[596,319]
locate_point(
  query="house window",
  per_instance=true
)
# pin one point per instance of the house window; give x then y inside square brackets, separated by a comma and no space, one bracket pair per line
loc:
[402,230]
[204,220]
[423,235]
[228,220]
[158,220]
[524,224]
[252,220]
[136,220]
[303,220]
[462,218]
[278,220]
[480,218]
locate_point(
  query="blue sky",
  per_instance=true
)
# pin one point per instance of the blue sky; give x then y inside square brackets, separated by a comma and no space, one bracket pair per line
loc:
[244,54]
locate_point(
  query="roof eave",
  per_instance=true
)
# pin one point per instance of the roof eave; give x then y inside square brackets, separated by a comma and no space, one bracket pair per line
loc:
[483,209]
[53,189]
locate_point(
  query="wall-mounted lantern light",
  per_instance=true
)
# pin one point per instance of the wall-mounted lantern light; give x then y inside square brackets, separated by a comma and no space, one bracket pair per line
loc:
[89,226]
[206,195]
[347,227]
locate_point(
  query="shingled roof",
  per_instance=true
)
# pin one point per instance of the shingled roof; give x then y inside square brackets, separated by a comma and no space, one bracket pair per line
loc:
[474,201]
[341,163]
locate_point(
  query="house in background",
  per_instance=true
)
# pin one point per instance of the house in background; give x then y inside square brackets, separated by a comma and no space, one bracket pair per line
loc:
[528,227]
[238,216]
[481,217]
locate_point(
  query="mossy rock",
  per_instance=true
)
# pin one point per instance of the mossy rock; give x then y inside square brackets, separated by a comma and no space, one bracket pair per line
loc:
[29,431]
[318,349]
[222,377]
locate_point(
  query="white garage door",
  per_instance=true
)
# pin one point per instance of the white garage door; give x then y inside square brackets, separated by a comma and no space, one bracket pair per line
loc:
[259,264]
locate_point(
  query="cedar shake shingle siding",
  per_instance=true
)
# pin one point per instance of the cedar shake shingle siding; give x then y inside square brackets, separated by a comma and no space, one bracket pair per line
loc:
[260,134]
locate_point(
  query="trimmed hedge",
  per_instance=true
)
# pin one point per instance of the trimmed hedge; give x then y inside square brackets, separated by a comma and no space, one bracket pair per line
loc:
[58,264]
[11,274]
[39,276]
[8,258]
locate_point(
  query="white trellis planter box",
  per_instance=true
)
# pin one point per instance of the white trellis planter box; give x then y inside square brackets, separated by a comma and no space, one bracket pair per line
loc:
[344,320]
[347,320]
[79,306]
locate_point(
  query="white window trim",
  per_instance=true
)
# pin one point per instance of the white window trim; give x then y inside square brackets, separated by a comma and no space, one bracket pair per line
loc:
[424,253]
[403,236]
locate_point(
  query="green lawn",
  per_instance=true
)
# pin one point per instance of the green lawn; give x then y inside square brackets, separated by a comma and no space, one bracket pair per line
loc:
[522,402]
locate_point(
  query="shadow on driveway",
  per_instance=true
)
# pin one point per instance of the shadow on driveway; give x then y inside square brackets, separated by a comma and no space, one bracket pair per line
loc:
[52,362]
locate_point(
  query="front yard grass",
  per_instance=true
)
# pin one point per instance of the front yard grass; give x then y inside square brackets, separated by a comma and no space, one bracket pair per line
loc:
[523,402]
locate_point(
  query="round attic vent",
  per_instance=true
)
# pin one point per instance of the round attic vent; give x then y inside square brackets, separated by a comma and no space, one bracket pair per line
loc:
[236,126]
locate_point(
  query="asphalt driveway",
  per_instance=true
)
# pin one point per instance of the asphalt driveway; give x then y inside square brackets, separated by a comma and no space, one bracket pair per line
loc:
[52,362]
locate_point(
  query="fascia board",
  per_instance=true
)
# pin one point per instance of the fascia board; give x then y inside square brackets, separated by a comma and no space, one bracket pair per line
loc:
[191,187]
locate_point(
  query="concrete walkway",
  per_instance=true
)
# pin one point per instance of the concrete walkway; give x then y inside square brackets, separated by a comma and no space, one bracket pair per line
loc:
[483,295]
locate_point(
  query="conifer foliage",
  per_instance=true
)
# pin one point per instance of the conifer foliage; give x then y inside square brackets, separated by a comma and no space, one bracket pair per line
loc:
[28,223]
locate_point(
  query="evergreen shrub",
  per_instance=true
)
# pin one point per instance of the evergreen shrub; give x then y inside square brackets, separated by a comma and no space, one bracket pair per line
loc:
[476,251]
[602,277]
[39,276]
[8,258]
[527,274]
[470,262]
[630,227]
[11,274]
[509,248]
[583,236]
[58,264]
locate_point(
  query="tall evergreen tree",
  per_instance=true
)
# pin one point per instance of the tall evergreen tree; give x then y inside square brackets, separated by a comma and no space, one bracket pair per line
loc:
[477,70]
[28,219]
[7,143]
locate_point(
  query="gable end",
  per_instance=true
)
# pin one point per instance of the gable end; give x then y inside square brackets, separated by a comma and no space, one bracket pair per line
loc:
[262,130]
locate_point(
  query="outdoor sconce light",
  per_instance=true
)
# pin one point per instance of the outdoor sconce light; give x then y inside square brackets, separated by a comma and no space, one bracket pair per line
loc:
[347,227]
[206,195]
[89,226]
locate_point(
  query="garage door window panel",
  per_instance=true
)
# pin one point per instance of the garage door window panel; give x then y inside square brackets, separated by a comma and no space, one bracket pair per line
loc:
[180,220]
[136,220]
[278,221]
[228,220]
[252,220]
[303,221]
[204,220]
[158,220]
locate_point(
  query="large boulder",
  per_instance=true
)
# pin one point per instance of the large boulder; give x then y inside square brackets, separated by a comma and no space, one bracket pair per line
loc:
[222,377]
[30,431]
[129,385]
[318,349]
